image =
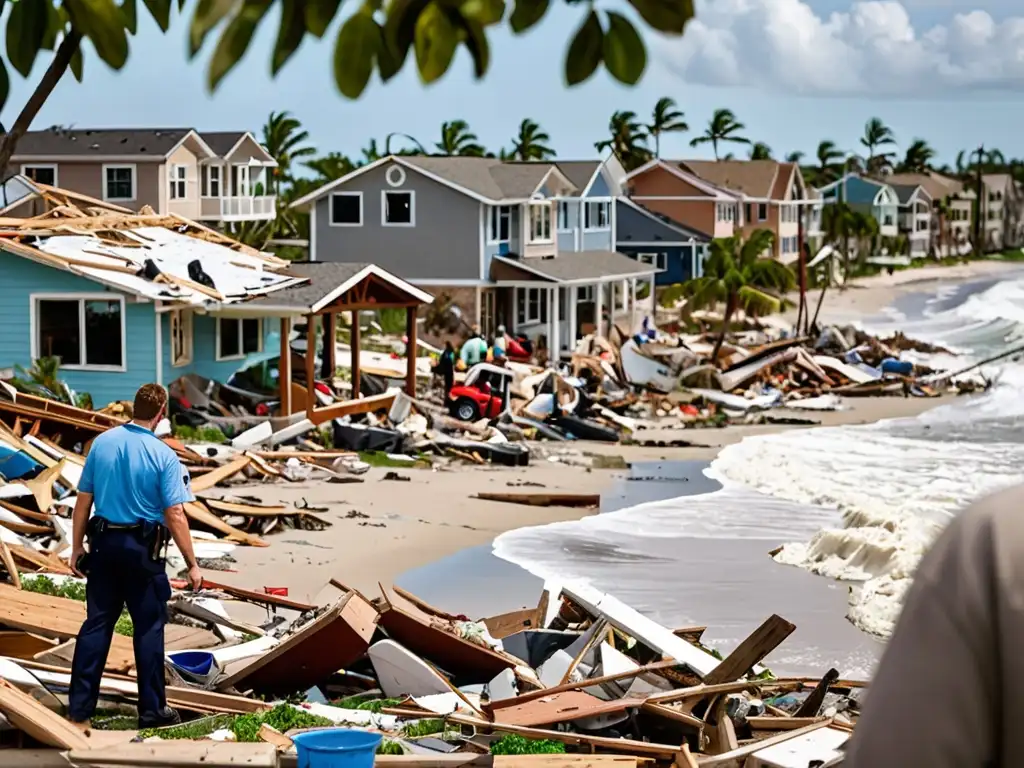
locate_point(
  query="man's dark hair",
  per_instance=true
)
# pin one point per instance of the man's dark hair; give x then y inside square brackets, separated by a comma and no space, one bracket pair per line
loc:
[148,401]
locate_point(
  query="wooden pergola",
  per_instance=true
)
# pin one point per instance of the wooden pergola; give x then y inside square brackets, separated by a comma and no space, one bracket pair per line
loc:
[335,288]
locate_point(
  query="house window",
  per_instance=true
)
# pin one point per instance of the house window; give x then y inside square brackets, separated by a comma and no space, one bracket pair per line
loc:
[565,224]
[119,182]
[181,337]
[657,260]
[531,305]
[179,182]
[398,209]
[762,211]
[888,220]
[747,212]
[44,174]
[347,209]
[211,179]
[500,226]
[238,337]
[540,223]
[595,216]
[584,293]
[85,332]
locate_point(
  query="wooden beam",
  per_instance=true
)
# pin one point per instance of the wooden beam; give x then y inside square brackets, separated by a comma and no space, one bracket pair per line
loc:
[758,644]
[354,354]
[410,351]
[284,370]
[310,364]
[329,363]
[736,756]
[352,407]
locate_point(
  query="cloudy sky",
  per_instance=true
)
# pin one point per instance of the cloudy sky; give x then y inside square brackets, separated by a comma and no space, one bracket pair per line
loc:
[793,71]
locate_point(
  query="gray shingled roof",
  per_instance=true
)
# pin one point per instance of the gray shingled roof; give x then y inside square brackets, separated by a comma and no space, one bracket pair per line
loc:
[324,277]
[581,265]
[486,176]
[904,192]
[579,172]
[221,142]
[101,142]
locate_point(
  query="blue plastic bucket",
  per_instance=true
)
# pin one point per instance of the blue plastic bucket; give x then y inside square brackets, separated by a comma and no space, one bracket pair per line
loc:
[197,663]
[337,748]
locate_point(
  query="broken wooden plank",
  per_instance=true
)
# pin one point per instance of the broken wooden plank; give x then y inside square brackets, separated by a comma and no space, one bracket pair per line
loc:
[179,754]
[701,691]
[263,598]
[506,624]
[762,641]
[766,723]
[812,704]
[221,473]
[591,500]
[45,562]
[28,715]
[563,707]
[313,653]
[8,561]
[736,756]
[201,514]
[23,645]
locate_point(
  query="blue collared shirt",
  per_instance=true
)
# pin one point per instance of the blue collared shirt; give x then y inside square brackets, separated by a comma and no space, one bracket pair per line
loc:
[133,476]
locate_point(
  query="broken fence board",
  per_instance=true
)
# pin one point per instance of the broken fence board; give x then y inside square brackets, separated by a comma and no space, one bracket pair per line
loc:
[28,715]
[201,514]
[221,473]
[762,641]
[179,754]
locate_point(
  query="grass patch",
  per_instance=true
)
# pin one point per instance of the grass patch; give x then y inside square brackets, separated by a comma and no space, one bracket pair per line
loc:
[116,723]
[390,748]
[380,459]
[1016,254]
[360,701]
[423,728]
[73,590]
[206,434]
[514,744]
[196,729]
[283,717]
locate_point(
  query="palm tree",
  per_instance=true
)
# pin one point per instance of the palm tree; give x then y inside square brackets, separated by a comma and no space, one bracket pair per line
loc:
[419,148]
[795,157]
[837,229]
[371,153]
[285,141]
[665,119]
[458,139]
[628,141]
[723,127]
[918,157]
[865,232]
[530,143]
[829,162]
[331,166]
[876,136]
[760,151]
[735,274]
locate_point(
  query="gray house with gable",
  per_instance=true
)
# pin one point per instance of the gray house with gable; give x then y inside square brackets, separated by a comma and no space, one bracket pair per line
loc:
[525,245]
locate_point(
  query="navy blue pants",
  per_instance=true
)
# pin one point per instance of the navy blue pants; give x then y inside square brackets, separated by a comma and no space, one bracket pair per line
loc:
[121,574]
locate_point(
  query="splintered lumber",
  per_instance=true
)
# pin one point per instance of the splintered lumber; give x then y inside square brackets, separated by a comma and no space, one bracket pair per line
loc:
[41,486]
[370,404]
[28,715]
[43,562]
[179,754]
[812,704]
[220,474]
[590,500]
[254,510]
[23,645]
[201,514]
[700,691]
[751,651]
[313,653]
[563,707]
[506,624]
[262,598]
[8,561]
[736,756]
[766,723]
[56,617]
[418,631]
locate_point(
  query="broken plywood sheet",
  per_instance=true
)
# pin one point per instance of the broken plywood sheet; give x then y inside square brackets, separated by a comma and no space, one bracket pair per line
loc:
[641,628]
[211,754]
[401,673]
[313,653]
[426,636]
[28,715]
[561,707]
[812,748]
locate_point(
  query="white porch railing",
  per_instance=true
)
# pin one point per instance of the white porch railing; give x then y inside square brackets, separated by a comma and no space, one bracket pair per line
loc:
[239,208]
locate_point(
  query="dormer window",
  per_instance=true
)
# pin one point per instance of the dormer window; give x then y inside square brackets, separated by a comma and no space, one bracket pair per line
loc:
[540,222]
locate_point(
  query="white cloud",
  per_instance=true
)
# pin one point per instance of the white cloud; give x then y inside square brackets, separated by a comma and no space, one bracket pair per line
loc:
[873,49]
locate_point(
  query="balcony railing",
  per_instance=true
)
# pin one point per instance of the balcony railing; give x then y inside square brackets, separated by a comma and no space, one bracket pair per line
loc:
[239,208]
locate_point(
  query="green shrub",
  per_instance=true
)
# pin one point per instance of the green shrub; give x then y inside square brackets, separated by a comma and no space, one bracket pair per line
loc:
[514,744]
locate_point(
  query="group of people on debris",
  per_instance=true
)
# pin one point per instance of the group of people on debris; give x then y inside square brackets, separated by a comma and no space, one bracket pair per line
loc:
[476,349]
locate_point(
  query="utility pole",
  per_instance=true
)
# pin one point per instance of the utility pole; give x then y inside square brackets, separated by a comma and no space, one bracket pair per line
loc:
[980,193]
[804,312]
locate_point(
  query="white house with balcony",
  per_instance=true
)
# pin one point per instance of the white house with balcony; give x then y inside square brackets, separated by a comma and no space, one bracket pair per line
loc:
[215,177]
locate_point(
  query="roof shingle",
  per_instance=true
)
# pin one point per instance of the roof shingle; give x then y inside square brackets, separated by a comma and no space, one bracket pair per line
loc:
[485,176]
[754,178]
[100,142]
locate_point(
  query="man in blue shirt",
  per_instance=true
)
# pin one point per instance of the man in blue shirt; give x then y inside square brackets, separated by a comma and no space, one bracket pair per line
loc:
[139,488]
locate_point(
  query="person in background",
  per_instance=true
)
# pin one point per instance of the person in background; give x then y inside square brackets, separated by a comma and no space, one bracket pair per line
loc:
[474,350]
[445,367]
[139,487]
[500,342]
[947,691]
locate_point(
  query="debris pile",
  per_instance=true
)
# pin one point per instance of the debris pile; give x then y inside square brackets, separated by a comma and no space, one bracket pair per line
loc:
[581,673]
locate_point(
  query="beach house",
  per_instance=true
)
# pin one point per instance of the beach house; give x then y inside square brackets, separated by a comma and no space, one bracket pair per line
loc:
[915,218]
[870,196]
[952,206]
[214,177]
[524,245]
[123,299]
